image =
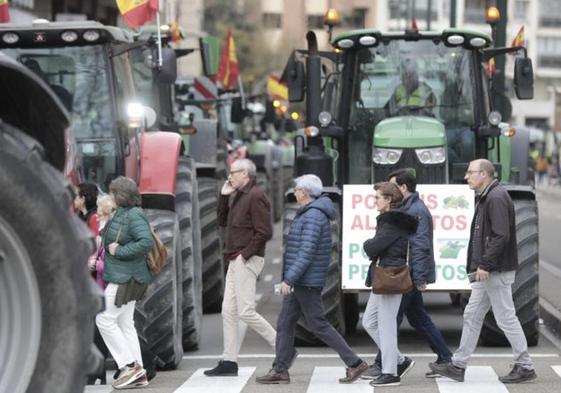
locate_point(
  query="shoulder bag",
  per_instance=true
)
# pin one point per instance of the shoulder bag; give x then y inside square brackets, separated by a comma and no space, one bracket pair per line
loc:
[390,280]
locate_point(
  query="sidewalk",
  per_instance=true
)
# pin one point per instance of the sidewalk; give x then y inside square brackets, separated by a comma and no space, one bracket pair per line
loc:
[551,191]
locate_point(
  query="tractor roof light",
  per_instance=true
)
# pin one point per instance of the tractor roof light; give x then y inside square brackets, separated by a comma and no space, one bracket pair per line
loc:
[455,39]
[492,15]
[91,35]
[477,42]
[331,17]
[367,40]
[311,131]
[346,43]
[10,38]
[69,36]
[324,118]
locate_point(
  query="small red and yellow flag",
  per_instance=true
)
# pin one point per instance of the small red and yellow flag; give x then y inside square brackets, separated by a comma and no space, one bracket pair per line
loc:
[4,11]
[228,69]
[137,12]
[490,67]
[277,89]
[520,39]
[176,35]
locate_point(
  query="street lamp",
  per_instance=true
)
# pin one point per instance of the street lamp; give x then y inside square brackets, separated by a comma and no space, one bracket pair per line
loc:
[331,19]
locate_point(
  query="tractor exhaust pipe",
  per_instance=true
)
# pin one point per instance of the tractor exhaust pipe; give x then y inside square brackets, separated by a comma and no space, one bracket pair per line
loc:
[313,81]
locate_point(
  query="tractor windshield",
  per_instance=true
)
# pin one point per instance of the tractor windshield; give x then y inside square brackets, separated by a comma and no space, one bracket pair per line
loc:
[78,76]
[401,78]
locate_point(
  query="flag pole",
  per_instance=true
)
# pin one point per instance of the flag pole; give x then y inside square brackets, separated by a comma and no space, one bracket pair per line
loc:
[242,94]
[160,60]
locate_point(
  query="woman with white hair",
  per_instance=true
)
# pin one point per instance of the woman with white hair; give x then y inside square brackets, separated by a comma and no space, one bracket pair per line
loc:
[306,261]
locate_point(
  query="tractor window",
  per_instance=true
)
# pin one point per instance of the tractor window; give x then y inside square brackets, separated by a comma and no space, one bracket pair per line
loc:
[142,74]
[79,77]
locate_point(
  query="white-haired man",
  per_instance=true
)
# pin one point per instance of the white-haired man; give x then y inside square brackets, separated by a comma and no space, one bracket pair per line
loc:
[306,260]
[248,223]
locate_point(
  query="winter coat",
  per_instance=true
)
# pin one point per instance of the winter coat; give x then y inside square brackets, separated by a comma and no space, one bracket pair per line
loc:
[308,245]
[492,243]
[421,251]
[388,247]
[248,222]
[135,241]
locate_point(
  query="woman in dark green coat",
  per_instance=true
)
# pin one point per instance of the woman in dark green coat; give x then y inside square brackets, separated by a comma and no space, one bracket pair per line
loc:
[127,240]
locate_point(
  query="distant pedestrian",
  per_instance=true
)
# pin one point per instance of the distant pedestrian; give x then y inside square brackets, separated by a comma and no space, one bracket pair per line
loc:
[307,257]
[493,259]
[127,239]
[422,264]
[248,223]
[388,248]
[85,204]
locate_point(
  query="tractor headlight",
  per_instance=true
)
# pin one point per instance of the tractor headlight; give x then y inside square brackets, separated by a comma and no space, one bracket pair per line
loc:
[386,156]
[434,155]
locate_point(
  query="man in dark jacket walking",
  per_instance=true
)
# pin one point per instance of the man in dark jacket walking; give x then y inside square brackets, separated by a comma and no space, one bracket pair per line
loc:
[422,265]
[248,223]
[306,260]
[493,259]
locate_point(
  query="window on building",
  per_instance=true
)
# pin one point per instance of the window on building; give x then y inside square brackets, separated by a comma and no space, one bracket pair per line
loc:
[272,21]
[356,19]
[520,9]
[549,52]
[550,13]
[399,9]
[474,11]
[315,22]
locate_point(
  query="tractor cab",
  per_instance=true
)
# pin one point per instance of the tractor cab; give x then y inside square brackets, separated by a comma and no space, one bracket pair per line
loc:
[86,64]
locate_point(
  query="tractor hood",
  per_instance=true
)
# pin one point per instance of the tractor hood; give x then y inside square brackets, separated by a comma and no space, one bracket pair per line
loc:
[409,132]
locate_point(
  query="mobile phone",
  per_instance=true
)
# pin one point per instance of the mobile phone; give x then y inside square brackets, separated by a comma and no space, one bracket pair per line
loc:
[277,287]
[471,277]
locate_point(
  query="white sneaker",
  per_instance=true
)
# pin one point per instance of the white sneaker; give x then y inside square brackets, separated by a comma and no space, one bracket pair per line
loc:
[129,375]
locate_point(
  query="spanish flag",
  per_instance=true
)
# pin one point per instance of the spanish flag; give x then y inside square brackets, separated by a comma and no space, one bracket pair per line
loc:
[137,12]
[4,11]
[490,67]
[520,39]
[277,89]
[228,69]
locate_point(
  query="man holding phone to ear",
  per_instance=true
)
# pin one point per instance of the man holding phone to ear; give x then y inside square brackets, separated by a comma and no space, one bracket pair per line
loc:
[493,257]
[249,227]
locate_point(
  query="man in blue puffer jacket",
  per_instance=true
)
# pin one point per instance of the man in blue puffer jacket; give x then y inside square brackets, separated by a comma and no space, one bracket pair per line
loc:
[422,266]
[306,261]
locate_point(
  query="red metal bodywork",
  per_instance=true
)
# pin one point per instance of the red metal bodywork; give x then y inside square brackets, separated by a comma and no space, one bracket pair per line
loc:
[158,162]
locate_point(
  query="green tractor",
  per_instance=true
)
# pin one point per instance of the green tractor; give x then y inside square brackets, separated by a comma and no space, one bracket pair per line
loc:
[361,125]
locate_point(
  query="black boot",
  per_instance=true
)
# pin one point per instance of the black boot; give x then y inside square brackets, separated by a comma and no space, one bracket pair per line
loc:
[225,368]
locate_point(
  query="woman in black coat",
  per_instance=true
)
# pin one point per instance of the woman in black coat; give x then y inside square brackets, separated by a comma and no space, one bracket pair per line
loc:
[388,248]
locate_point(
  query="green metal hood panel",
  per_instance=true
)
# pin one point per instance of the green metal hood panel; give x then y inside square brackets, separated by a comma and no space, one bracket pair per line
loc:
[409,132]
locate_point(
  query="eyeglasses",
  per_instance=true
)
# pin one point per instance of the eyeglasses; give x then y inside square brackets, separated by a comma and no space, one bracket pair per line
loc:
[469,173]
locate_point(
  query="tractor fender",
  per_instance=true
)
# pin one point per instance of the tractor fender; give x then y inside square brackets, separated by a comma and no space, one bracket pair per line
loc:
[517,191]
[158,169]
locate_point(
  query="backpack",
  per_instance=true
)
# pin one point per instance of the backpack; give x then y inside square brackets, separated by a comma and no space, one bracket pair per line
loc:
[157,256]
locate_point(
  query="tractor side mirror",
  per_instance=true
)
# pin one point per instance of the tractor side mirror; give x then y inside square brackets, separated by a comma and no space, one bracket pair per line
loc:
[167,74]
[524,78]
[294,75]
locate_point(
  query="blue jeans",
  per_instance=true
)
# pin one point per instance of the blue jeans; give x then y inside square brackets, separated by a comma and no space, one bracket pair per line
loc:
[413,307]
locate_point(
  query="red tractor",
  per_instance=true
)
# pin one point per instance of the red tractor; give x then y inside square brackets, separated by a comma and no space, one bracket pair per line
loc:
[88,66]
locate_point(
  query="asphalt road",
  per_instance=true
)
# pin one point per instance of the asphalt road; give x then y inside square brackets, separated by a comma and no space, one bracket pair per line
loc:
[318,368]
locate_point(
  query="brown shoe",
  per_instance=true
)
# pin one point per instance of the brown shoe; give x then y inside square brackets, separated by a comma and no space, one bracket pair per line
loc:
[274,378]
[353,373]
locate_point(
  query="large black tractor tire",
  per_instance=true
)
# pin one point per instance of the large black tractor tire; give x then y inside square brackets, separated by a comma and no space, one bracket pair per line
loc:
[159,315]
[332,296]
[525,290]
[211,246]
[48,299]
[277,192]
[186,205]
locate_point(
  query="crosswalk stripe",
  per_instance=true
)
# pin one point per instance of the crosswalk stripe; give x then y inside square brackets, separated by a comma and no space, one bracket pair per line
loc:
[477,379]
[200,383]
[326,380]
[557,370]
[98,389]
